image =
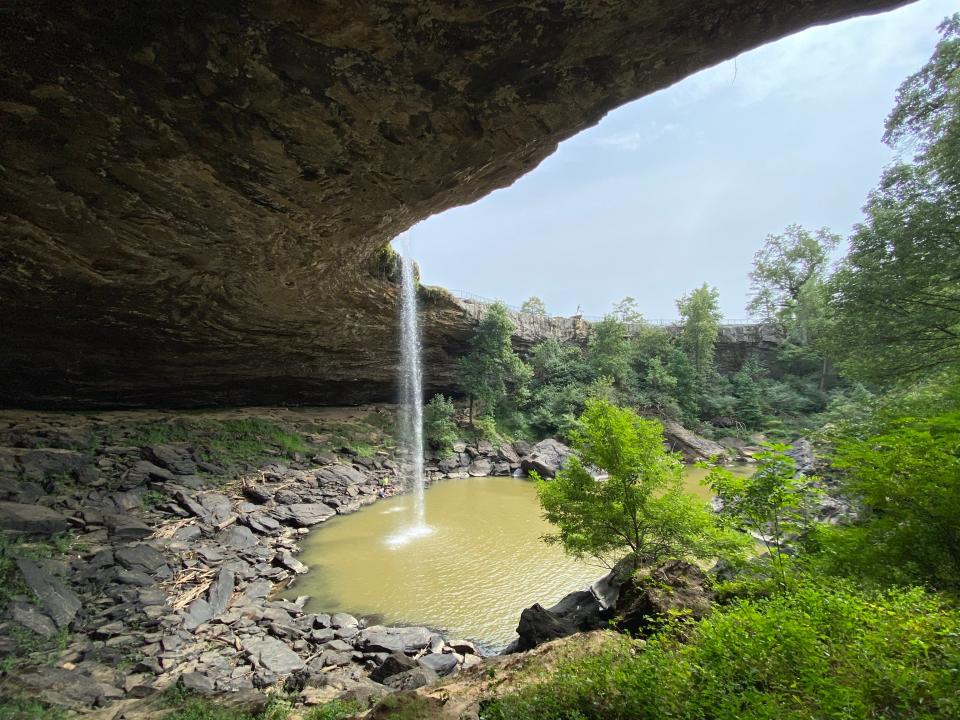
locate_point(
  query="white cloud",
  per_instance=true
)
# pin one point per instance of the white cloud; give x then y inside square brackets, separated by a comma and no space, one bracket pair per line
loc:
[634,140]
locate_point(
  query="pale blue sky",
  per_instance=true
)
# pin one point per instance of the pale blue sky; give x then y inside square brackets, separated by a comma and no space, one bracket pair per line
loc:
[682,186]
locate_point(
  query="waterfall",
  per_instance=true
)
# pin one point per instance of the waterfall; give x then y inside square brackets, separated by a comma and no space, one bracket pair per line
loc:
[411,390]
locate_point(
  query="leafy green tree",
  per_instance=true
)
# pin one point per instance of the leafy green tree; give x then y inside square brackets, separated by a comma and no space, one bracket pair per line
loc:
[534,306]
[748,393]
[626,311]
[784,266]
[492,373]
[639,508]
[439,427]
[610,352]
[768,503]
[907,478]
[896,297]
[701,315]
[559,388]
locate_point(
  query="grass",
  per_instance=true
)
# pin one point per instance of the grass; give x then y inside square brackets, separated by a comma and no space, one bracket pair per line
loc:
[13,547]
[20,707]
[334,710]
[228,443]
[184,704]
[187,705]
[13,586]
[832,653]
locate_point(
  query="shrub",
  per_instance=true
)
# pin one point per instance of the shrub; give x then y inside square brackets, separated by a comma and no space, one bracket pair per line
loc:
[821,652]
[439,429]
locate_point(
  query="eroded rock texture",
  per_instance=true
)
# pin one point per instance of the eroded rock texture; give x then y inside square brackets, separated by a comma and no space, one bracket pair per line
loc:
[192,195]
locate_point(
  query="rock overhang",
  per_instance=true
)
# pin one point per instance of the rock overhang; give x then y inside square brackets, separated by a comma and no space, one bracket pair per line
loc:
[194,197]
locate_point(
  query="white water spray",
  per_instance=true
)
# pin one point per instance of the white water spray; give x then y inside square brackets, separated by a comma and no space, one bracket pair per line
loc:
[411,396]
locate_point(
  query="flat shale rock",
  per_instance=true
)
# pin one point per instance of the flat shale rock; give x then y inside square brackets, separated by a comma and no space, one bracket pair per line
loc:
[273,655]
[304,514]
[31,519]
[56,598]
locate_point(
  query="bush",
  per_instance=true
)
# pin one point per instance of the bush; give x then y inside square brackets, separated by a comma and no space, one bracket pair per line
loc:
[821,652]
[907,478]
[439,429]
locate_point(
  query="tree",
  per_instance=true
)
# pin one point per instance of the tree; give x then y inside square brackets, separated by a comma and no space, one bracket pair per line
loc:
[559,388]
[439,428]
[534,306]
[768,503]
[701,315]
[639,508]
[626,311]
[492,369]
[784,266]
[746,388]
[610,352]
[896,298]
[907,477]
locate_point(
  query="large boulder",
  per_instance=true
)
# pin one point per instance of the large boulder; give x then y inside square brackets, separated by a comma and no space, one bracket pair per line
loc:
[648,598]
[577,612]
[378,638]
[546,458]
[394,664]
[689,444]
[805,462]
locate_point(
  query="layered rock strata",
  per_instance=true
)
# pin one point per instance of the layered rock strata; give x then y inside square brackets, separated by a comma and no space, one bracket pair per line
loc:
[193,196]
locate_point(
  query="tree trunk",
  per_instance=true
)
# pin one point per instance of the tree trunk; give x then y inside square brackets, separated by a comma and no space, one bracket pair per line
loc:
[471,410]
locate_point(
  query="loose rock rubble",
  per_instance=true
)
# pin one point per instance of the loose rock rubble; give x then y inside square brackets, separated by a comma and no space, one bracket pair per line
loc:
[175,577]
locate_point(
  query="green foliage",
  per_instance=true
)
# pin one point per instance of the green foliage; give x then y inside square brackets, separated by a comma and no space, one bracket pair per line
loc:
[749,397]
[784,267]
[626,311]
[21,707]
[406,706]
[187,705]
[610,352]
[230,443]
[335,710]
[769,503]
[439,428]
[13,547]
[639,508]
[559,387]
[153,498]
[534,306]
[907,478]
[896,297]
[826,651]
[492,373]
[701,315]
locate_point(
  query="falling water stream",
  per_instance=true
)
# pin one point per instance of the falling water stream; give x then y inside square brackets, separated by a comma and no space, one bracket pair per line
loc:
[411,398]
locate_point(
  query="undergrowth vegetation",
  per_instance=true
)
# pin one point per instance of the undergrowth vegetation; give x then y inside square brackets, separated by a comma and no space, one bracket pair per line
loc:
[824,650]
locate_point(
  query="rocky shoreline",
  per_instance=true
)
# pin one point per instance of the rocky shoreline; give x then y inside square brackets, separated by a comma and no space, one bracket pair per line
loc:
[172,576]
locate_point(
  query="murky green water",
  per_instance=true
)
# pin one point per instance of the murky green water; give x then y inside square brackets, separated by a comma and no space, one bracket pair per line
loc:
[471,576]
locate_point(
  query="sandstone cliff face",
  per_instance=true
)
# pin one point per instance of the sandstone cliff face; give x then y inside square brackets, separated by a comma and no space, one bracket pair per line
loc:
[191,193]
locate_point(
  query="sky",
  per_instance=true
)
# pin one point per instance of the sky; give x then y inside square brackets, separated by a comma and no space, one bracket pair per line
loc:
[681,187]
